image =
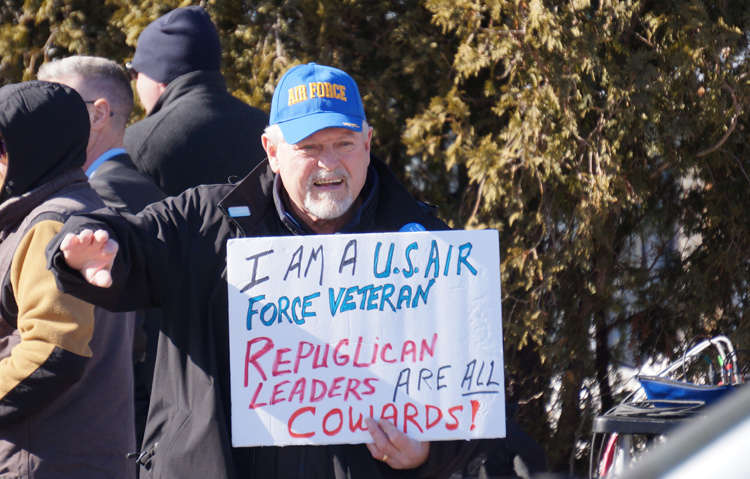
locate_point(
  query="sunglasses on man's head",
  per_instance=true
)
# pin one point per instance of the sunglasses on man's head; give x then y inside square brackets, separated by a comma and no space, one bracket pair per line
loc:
[131,71]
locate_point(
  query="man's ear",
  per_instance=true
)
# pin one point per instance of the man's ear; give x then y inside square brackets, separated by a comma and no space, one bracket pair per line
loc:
[162,88]
[101,112]
[271,153]
[368,141]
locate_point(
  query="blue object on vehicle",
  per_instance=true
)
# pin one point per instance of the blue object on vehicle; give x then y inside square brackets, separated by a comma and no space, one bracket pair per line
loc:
[664,388]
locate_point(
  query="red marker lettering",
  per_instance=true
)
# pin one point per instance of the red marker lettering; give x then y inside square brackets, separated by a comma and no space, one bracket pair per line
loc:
[276,391]
[278,361]
[301,355]
[294,416]
[253,359]
[452,427]
[333,412]
[253,404]
[432,424]
[351,387]
[409,416]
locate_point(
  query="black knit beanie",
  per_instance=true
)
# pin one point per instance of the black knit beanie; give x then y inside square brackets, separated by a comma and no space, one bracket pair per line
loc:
[182,41]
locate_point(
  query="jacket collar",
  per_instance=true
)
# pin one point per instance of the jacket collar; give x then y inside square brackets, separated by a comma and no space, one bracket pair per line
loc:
[387,206]
[190,83]
[15,210]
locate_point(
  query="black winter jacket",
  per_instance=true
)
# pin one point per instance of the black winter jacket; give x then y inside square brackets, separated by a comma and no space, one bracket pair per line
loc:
[123,187]
[197,134]
[173,256]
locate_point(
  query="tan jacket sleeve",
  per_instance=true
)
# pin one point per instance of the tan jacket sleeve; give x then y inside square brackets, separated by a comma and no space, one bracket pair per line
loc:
[54,328]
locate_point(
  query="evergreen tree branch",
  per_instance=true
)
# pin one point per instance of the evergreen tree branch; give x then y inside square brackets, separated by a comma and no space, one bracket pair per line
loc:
[732,125]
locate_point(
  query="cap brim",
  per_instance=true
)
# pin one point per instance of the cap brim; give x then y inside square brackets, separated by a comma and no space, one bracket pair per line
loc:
[298,129]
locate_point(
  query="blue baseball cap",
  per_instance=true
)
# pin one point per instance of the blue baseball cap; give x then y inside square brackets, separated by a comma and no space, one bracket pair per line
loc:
[312,97]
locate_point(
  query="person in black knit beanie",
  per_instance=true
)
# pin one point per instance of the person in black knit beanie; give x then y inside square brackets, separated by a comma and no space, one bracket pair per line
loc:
[195,132]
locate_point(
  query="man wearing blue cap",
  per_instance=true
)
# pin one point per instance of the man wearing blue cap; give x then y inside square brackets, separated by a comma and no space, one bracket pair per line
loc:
[319,178]
[194,132]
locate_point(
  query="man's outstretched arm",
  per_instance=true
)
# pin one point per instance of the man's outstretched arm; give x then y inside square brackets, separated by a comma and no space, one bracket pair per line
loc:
[92,254]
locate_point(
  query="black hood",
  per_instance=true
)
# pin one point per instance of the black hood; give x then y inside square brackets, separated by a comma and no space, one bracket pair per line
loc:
[45,127]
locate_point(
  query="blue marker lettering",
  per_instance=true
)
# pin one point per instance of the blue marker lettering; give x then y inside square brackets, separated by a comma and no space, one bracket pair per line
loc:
[387,271]
[422,294]
[334,303]
[283,306]
[297,303]
[349,300]
[363,292]
[251,312]
[373,296]
[268,322]
[448,260]
[462,258]
[306,303]
[388,290]
[434,259]
[408,273]
[404,295]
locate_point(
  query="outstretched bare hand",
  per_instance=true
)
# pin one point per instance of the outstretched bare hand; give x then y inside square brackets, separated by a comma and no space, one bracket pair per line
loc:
[92,254]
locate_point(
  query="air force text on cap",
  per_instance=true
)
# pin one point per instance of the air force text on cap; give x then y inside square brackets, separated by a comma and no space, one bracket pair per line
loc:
[316,89]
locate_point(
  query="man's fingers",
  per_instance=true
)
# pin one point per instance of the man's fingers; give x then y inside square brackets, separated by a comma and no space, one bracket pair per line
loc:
[70,241]
[388,428]
[86,237]
[101,278]
[92,253]
[375,451]
[380,438]
[100,236]
[380,445]
[400,440]
[394,447]
[383,449]
[110,247]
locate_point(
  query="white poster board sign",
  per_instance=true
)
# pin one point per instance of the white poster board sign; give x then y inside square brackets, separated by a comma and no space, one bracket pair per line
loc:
[328,330]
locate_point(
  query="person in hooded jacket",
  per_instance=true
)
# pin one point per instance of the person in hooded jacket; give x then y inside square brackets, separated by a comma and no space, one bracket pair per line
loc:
[195,132]
[66,384]
[319,178]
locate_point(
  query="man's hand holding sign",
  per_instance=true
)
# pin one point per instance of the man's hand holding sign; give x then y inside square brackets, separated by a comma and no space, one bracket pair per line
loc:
[394,447]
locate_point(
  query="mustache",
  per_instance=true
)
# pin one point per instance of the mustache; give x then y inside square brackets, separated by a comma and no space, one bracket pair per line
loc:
[322,175]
